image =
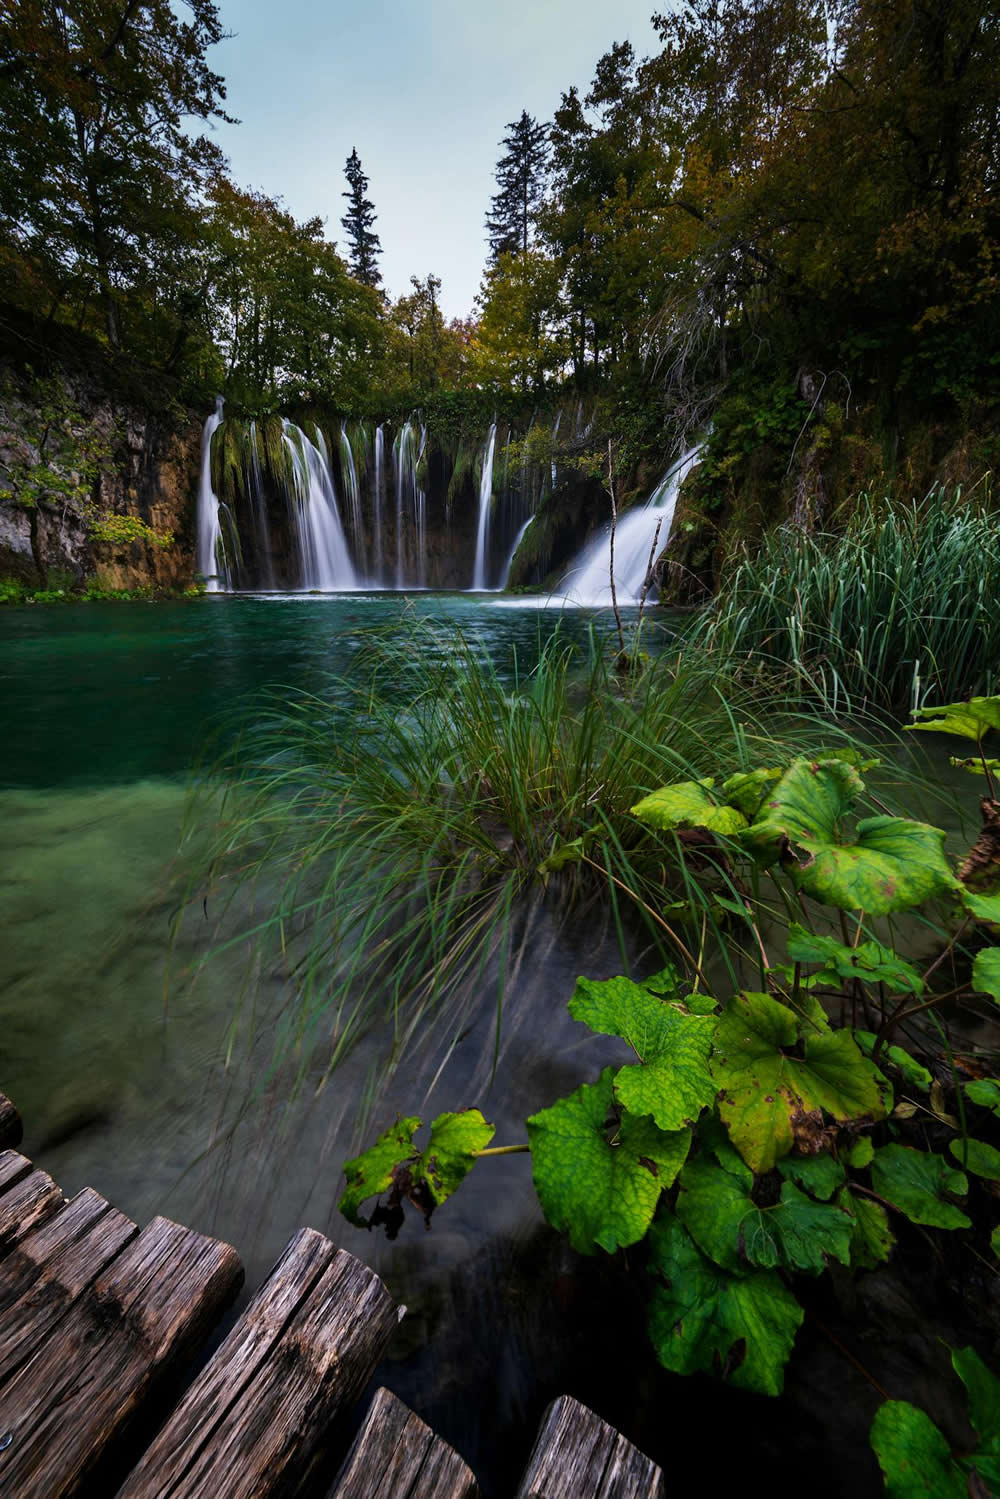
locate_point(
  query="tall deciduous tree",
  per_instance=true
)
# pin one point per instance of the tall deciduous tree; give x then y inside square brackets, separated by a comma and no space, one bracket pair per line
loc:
[100,175]
[521,175]
[365,244]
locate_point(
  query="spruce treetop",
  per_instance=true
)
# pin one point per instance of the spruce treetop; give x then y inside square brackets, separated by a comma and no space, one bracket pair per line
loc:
[358,221]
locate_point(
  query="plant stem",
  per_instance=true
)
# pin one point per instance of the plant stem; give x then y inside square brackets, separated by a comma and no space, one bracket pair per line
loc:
[503,1150]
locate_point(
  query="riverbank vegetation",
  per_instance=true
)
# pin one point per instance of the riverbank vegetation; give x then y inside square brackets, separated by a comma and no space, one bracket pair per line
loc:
[755,1142]
[405,856]
[894,610]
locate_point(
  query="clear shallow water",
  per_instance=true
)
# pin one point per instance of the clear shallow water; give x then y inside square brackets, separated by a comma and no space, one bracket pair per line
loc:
[111,1042]
[113,1038]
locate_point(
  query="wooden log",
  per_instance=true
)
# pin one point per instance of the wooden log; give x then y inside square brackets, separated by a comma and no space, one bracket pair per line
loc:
[68,1406]
[395,1454]
[11,1129]
[50,1268]
[27,1198]
[577,1453]
[257,1420]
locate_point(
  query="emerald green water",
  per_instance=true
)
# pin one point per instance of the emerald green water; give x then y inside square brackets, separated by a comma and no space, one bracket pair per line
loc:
[113,1031]
[116,693]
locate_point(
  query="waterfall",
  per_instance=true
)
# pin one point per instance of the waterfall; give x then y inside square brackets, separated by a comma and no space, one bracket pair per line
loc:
[420,515]
[407,453]
[255,483]
[350,474]
[513,552]
[326,562]
[211,557]
[589,580]
[555,434]
[378,579]
[485,501]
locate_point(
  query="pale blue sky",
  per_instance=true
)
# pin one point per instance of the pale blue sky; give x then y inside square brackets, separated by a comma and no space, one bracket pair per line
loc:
[424,89]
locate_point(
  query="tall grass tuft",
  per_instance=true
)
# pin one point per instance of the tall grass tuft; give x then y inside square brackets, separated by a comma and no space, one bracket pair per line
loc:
[899,609]
[406,830]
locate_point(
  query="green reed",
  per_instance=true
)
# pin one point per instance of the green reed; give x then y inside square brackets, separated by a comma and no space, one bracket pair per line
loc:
[898,609]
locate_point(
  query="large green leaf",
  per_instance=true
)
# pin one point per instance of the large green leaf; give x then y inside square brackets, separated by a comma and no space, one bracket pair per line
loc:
[795,1233]
[820,1175]
[704,1318]
[370,1174]
[869,961]
[671,1080]
[985,1092]
[913,1455]
[891,864]
[688,805]
[598,1176]
[983,1391]
[747,789]
[872,1238]
[983,907]
[455,1142]
[978,1157]
[970,720]
[986,972]
[915,1182]
[765,1086]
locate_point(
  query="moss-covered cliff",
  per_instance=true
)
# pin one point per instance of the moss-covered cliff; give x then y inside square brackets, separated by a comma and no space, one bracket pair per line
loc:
[95,489]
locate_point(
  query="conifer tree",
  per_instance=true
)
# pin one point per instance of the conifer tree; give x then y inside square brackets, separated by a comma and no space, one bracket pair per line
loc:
[365,244]
[521,175]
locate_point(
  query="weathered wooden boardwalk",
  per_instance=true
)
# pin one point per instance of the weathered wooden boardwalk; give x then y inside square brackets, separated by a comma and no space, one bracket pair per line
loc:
[101,1321]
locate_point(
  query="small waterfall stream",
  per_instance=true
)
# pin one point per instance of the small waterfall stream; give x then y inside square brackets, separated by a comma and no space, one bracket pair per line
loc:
[378,559]
[485,504]
[262,535]
[588,582]
[326,561]
[505,576]
[210,558]
[350,475]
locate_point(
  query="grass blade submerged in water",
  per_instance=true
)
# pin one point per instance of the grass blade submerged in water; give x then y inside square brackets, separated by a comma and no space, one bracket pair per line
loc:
[406,854]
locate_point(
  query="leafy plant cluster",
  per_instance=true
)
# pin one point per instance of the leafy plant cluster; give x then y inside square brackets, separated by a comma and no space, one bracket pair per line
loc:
[12,591]
[752,1142]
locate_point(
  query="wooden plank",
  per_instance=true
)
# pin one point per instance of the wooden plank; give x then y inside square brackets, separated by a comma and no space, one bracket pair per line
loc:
[11,1129]
[257,1420]
[65,1409]
[395,1454]
[12,1168]
[577,1453]
[27,1197]
[50,1269]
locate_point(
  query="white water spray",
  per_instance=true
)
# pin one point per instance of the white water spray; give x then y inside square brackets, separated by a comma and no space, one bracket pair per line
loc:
[377,506]
[589,580]
[326,561]
[211,560]
[485,502]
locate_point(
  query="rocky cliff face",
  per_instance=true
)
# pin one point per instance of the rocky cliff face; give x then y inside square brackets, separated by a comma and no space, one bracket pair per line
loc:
[92,487]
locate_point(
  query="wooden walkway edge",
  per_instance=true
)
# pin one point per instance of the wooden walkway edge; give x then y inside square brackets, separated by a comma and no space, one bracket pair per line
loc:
[99,1317]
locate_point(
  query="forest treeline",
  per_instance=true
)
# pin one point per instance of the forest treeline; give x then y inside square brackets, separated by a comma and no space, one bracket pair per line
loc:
[784,185]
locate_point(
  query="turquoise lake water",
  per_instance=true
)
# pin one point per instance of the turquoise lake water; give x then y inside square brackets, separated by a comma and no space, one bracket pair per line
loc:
[113,1032]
